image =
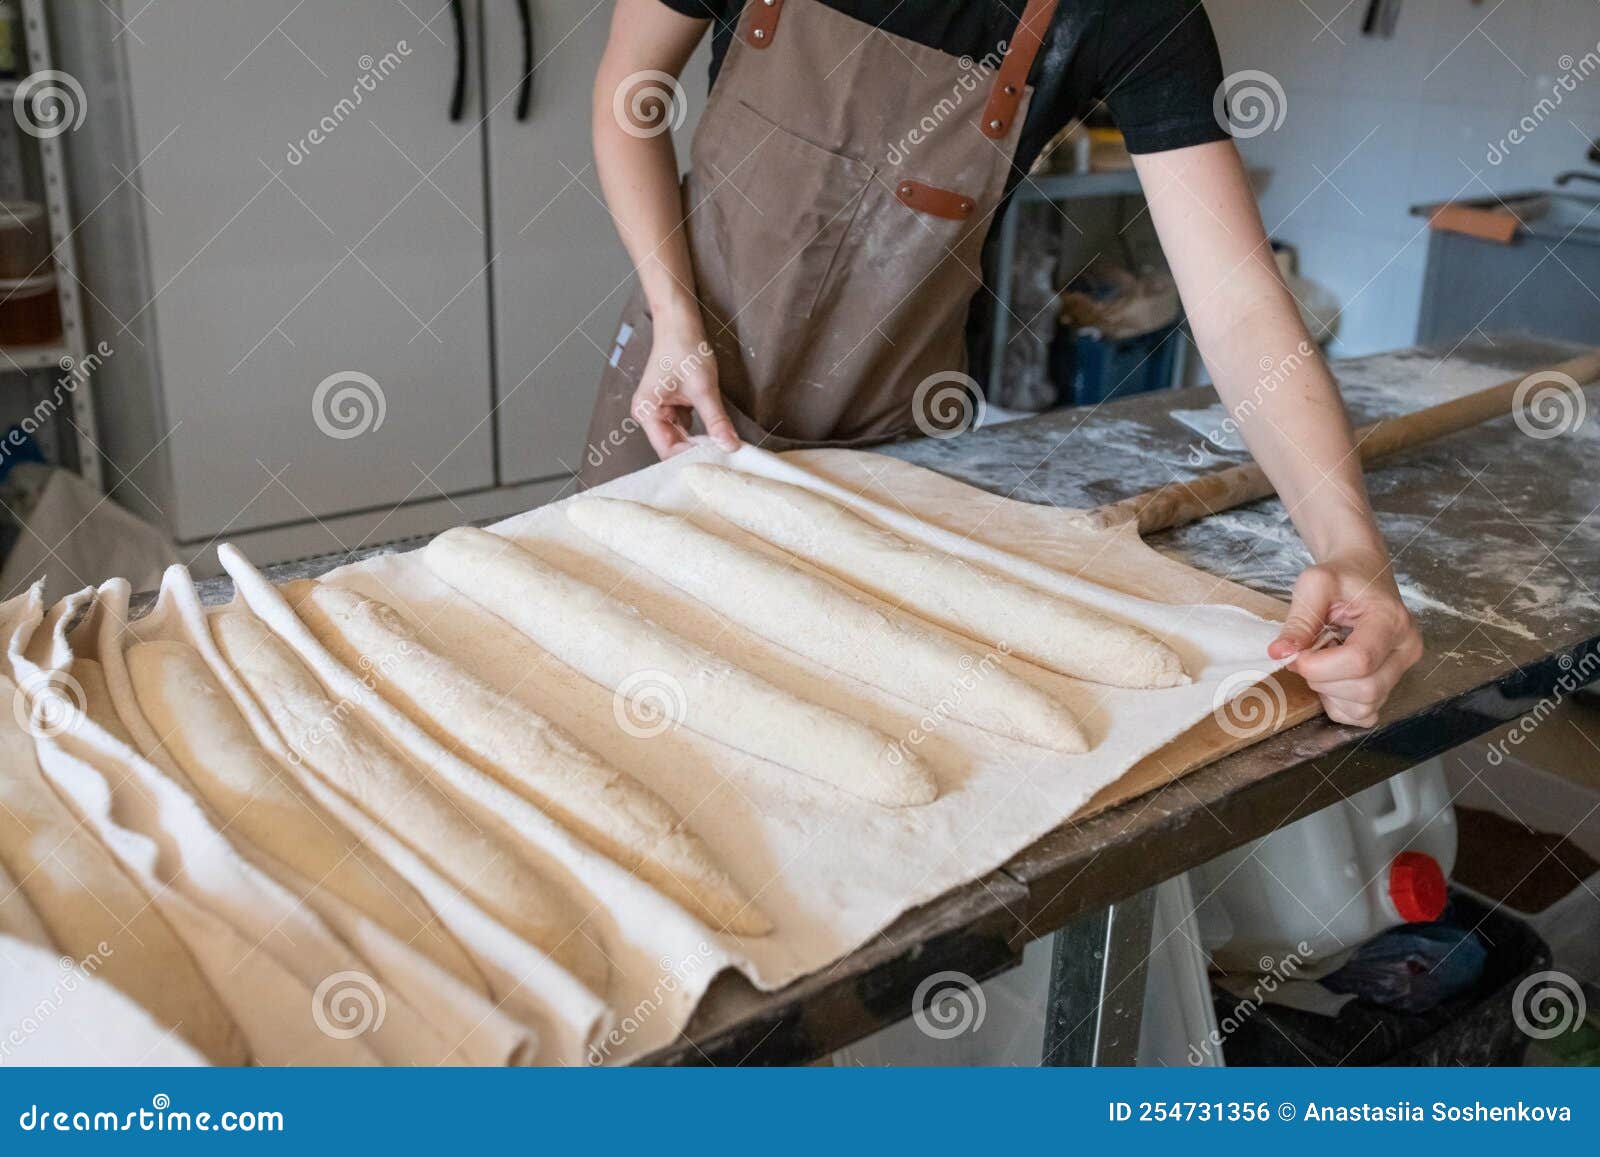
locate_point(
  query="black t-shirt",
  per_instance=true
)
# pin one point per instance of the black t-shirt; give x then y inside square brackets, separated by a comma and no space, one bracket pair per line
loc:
[1153,62]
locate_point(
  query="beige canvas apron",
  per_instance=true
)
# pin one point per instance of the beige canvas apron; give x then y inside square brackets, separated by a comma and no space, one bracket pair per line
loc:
[842,183]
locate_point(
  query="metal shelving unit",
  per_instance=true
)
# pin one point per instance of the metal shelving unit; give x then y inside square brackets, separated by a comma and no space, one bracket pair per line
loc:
[1055,187]
[67,354]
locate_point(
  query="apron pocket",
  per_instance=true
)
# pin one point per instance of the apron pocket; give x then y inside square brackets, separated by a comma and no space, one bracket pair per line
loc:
[782,207]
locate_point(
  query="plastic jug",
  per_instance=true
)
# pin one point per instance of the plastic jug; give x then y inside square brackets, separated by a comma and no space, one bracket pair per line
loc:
[1304,896]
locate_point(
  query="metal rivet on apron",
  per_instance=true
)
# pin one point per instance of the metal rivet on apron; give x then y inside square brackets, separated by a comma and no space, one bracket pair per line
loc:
[995,125]
[760,33]
[769,3]
[1010,90]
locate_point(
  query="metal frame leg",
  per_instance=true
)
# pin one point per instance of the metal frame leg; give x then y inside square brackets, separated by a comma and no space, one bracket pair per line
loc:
[1095,1003]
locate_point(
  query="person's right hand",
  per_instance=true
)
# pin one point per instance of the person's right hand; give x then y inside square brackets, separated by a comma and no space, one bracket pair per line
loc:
[679,383]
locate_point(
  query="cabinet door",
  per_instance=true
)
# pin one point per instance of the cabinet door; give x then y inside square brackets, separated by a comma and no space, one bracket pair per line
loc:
[316,243]
[561,275]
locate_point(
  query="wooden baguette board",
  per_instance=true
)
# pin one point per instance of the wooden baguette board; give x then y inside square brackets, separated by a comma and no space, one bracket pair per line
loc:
[1076,542]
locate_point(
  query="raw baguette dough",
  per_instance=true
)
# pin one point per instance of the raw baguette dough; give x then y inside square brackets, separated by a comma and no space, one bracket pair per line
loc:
[329,739]
[611,643]
[832,625]
[1037,626]
[93,910]
[204,733]
[610,810]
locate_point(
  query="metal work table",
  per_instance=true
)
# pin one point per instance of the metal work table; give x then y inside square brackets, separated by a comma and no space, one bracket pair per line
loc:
[1497,546]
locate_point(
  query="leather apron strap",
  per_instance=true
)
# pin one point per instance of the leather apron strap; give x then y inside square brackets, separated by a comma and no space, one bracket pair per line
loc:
[1012,76]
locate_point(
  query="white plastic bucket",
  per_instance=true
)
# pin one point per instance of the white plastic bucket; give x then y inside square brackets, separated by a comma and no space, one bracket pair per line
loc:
[1324,885]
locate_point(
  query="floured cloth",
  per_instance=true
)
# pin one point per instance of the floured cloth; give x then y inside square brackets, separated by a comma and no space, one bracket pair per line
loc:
[56,1011]
[830,870]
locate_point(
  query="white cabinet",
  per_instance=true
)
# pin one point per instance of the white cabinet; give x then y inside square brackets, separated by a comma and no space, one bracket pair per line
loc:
[561,275]
[279,198]
[310,210]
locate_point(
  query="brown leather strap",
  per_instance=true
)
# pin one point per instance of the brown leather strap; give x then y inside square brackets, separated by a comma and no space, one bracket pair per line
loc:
[935,201]
[762,22]
[1012,76]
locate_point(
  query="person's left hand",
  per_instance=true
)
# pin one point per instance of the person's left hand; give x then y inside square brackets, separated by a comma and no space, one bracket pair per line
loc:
[1354,677]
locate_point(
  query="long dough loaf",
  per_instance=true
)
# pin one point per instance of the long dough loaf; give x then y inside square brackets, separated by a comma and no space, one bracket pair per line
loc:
[612,644]
[203,731]
[86,900]
[830,624]
[970,600]
[330,740]
[610,810]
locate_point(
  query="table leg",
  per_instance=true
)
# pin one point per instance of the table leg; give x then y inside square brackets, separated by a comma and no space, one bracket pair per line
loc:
[1095,1001]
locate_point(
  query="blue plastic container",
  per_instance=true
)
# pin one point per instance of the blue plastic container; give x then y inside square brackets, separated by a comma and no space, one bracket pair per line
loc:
[1101,368]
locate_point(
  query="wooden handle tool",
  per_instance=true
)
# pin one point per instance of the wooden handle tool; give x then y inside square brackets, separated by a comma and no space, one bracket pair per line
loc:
[1180,503]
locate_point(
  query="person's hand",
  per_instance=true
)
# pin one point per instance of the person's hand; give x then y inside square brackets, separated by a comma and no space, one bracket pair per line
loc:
[679,383]
[1354,677]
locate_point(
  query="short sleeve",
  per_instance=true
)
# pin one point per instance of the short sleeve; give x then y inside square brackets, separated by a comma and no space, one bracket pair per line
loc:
[701,9]
[1159,73]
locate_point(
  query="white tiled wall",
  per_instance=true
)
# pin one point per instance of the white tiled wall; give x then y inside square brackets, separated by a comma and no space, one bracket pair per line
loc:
[1374,126]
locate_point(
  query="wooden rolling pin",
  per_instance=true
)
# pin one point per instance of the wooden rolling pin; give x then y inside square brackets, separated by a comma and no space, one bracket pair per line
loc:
[1180,503]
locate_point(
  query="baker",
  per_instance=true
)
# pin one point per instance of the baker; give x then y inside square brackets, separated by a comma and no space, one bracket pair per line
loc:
[818,264]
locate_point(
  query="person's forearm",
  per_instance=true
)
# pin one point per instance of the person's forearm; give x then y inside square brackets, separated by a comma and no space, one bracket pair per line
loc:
[1266,369]
[638,171]
[1275,384]
[1287,406]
